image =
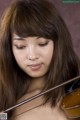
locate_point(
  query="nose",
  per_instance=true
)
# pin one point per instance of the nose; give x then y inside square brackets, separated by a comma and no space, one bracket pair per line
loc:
[32,53]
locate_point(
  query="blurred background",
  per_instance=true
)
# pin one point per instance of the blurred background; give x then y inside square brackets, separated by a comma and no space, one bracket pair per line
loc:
[70,13]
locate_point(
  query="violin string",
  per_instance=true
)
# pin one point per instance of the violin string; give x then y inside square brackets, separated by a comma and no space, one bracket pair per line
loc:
[40,94]
[73,107]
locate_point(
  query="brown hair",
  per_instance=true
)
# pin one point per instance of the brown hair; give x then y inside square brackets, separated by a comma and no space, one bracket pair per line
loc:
[34,18]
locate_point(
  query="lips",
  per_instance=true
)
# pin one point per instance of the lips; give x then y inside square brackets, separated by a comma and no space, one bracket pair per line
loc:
[35,66]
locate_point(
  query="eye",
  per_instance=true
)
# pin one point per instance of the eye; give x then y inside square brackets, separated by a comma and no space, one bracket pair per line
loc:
[20,46]
[43,44]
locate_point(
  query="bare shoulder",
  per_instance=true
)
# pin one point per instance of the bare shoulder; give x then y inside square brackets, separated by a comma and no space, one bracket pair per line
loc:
[34,110]
[42,112]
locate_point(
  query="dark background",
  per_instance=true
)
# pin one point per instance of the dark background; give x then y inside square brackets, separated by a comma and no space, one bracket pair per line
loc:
[71,15]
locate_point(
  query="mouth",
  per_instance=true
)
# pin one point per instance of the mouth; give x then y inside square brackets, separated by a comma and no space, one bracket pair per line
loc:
[35,66]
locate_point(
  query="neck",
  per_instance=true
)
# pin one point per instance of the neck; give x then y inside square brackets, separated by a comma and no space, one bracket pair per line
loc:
[37,85]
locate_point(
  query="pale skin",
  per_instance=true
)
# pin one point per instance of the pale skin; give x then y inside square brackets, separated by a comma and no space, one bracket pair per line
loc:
[33,55]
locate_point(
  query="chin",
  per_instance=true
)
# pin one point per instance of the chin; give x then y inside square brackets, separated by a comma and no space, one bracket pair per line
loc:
[36,75]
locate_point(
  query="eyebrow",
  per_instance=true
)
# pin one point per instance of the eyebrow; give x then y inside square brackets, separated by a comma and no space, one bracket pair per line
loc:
[21,38]
[18,38]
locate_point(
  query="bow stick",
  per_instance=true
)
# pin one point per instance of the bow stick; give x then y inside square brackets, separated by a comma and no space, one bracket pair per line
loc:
[40,94]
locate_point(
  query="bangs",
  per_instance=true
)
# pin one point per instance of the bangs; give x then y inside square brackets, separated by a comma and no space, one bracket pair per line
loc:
[32,20]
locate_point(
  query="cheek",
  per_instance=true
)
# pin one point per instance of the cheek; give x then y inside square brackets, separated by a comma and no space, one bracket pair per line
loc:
[49,56]
[18,56]
[48,52]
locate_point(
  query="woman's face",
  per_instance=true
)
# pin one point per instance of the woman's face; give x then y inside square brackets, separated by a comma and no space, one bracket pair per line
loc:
[33,54]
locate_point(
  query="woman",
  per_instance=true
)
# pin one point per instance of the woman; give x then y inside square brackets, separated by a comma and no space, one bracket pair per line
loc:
[36,53]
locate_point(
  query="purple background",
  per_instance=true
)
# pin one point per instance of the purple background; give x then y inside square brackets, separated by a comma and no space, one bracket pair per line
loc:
[71,15]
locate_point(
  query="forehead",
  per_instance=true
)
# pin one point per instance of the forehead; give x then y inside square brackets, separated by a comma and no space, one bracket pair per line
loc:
[16,37]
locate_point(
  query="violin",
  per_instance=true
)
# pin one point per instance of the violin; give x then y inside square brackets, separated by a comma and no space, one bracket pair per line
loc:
[70,103]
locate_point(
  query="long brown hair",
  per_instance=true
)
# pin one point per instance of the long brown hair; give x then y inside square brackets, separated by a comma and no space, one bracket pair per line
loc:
[34,18]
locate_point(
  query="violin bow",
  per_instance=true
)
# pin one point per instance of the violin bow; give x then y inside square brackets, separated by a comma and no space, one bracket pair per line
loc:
[40,94]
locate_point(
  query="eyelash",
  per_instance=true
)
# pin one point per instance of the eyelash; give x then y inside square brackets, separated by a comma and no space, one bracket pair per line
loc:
[41,44]
[20,47]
